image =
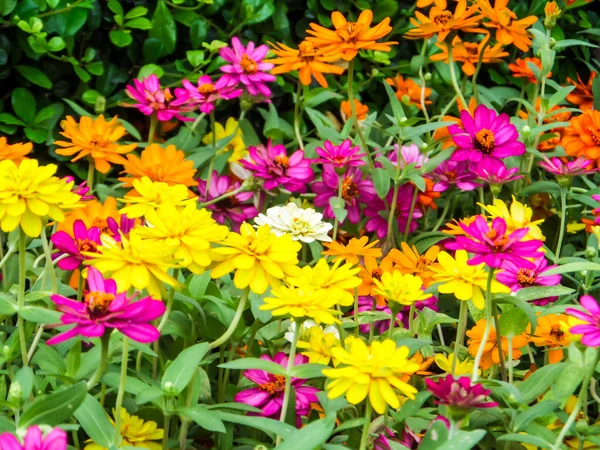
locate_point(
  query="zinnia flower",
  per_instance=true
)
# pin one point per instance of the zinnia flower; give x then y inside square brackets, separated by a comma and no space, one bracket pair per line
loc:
[398,288]
[582,96]
[517,277]
[83,240]
[343,155]
[361,110]
[269,392]
[319,343]
[152,99]
[149,195]
[548,333]
[520,68]
[407,155]
[374,371]
[409,260]
[408,91]
[304,302]
[490,353]
[304,225]
[308,61]
[459,394]
[454,173]
[573,168]
[590,329]
[167,165]
[469,54]
[582,137]
[352,252]
[351,37]
[272,164]
[29,193]
[95,139]
[93,214]
[235,145]
[485,135]
[442,21]
[509,29]
[259,258]
[246,66]
[518,216]
[495,173]
[16,151]
[206,93]
[105,307]
[34,440]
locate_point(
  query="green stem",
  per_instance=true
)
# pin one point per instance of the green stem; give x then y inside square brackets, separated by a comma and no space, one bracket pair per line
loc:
[170,301]
[297,116]
[21,295]
[222,197]
[484,45]
[443,216]
[453,72]
[211,165]
[411,317]
[499,341]
[394,313]
[48,263]
[167,425]
[80,288]
[90,174]
[185,423]
[288,375]
[356,324]
[423,84]
[152,131]
[460,332]
[192,129]
[410,213]
[563,220]
[510,359]
[335,221]
[488,324]
[361,137]
[104,340]
[234,322]
[390,234]
[365,431]
[60,11]
[121,391]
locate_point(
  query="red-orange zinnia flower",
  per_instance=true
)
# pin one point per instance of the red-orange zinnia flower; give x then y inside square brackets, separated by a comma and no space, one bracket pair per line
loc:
[509,29]
[408,91]
[361,110]
[468,53]
[520,68]
[582,95]
[442,22]
[582,137]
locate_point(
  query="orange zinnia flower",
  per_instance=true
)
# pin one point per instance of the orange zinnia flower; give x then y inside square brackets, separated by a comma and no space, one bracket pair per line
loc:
[409,261]
[93,214]
[427,198]
[491,355]
[582,137]
[522,70]
[355,249]
[582,95]
[408,91]
[307,61]
[350,37]
[509,29]
[15,152]
[442,22]
[454,227]
[159,164]
[548,333]
[96,139]
[371,271]
[424,364]
[468,53]
[361,110]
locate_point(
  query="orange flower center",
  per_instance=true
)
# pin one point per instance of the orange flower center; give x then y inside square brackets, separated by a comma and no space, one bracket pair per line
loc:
[422,263]
[206,88]
[377,274]
[484,140]
[451,175]
[556,332]
[100,223]
[349,189]
[98,141]
[282,161]
[595,136]
[526,277]
[274,386]
[472,49]
[306,51]
[168,95]
[85,245]
[442,18]
[248,65]
[97,303]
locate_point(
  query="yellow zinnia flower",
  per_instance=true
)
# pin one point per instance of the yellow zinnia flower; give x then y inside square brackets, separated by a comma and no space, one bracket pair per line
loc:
[303,303]
[159,164]
[135,262]
[190,230]
[319,345]
[445,363]
[259,258]
[398,288]
[16,152]
[135,433]
[337,279]
[374,371]
[30,192]
[96,139]
[518,216]
[235,145]
[464,281]
[152,194]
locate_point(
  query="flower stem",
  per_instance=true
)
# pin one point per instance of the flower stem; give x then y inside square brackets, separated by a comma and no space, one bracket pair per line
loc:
[335,222]
[410,213]
[222,197]
[234,322]
[121,391]
[499,341]
[167,424]
[390,233]
[152,131]
[192,129]
[488,324]
[359,133]
[443,216]
[460,332]
[411,317]
[288,376]
[365,431]
[356,325]
[91,173]
[49,267]
[510,358]
[392,320]
[211,165]
[297,116]
[453,72]
[104,340]
[563,220]
[21,295]
[485,43]
[170,299]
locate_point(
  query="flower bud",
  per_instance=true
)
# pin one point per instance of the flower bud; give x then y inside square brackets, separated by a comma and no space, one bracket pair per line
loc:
[552,42]
[15,392]
[374,72]
[526,130]
[424,146]
[403,120]
[261,447]
[590,252]
[6,351]
[100,104]
[169,388]
[582,426]
[496,189]
[552,12]
[427,76]
[406,99]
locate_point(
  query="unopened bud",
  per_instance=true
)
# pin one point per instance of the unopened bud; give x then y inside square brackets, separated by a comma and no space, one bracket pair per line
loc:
[374,72]
[169,388]
[582,426]
[552,42]
[583,273]
[526,130]
[100,104]
[403,120]
[590,252]
[15,392]
[406,99]
[6,351]
[427,76]
[424,146]
[261,447]
[552,12]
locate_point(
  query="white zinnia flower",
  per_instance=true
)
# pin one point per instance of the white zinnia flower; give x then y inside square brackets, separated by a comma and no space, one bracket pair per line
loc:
[305,330]
[302,224]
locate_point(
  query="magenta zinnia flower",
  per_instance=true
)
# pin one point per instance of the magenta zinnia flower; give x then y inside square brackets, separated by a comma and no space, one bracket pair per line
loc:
[81,189]
[455,173]
[34,440]
[268,395]
[272,164]
[355,190]
[84,240]
[122,228]
[495,172]
[556,166]
[492,245]
[378,214]
[247,67]
[459,394]
[237,208]
[151,99]
[343,155]
[206,93]
[104,308]
[516,277]
[486,135]
[590,331]
[409,154]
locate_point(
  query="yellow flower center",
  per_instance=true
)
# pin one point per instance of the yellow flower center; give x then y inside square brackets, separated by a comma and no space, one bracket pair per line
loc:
[526,277]
[282,161]
[97,303]
[349,189]
[274,386]
[206,88]
[472,49]
[484,140]
[248,65]
[442,18]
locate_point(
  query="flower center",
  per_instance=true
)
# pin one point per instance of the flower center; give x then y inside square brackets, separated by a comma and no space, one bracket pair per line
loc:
[100,223]
[306,51]
[526,277]
[97,303]
[274,386]
[451,175]
[377,274]
[97,141]
[85,245]
[595,136]
[484,141]
[282,161]
[442,18]
[422,263]
[556,332]
[472,49]
[248,65]
[349,190]
[206,88]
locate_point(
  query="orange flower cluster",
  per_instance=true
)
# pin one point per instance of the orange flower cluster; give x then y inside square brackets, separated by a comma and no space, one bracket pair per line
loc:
[582,137]
[521,69]
[408,91]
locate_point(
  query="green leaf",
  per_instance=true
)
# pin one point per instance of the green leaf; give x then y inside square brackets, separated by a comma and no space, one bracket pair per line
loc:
[24,377]
[524,419]
[381,180]
[36,76]
[309,370]
[23,103]
[138,11]
[7,305]
[522,305]
[536,292]
[7,6]
[570,42]
[78,109]
[90,96]
[513,322]
[256,11]
[10,119]
[55,408]
[397,109]
[198,32]
[40,315]
[94,421]
[164,28]
[262,423]
[572,267]
[203,417]
[539,381]
[149,395]
[596,93]
[526,439]
[312,435]
[254,363]
[565,386]
[195,57]
[121,38]
[463,440]
[139,23]
[181,370]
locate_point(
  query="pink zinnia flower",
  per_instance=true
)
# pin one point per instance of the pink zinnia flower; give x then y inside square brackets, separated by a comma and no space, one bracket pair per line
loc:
[272,164]
[556,166]
[122,228]
[454,173]
[237,208]
[378,214]
[409,154]
[247,67]
[343,155]
[84,240]
[268,395]
[81,189]
[516,277]
[492,245]
[104,308]
[459,394]
[34,440]
[486,135]
[206,93]
[355,190]
[495,172]
[151,99]
[590,331]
